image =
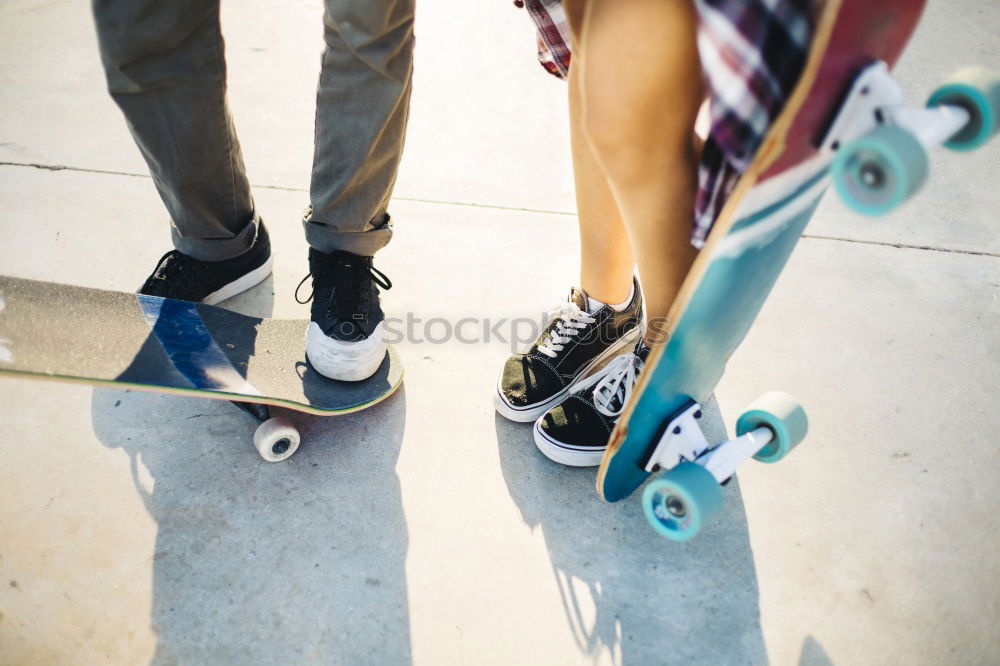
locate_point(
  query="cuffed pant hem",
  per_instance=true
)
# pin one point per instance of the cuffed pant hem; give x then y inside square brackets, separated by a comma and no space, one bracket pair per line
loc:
[217,249]
[364,243]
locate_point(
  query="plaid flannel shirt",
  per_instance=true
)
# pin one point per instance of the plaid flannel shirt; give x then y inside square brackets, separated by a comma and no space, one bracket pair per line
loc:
[752,52]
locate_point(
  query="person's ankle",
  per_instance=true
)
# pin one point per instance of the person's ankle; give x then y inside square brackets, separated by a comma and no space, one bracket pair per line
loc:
[596,300]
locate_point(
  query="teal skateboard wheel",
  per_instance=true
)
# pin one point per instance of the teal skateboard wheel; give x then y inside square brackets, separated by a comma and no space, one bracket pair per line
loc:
[878,171]
[783,416]
[977,90]
[682,501]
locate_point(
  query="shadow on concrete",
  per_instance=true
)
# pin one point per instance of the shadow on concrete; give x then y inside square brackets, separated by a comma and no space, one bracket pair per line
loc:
[630,596]
[257,563]
[813,654]
[256,302]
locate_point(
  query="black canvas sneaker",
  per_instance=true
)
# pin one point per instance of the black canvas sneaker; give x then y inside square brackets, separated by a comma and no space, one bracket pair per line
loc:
[346,339]
[187,279]
[576,432]
[573,343]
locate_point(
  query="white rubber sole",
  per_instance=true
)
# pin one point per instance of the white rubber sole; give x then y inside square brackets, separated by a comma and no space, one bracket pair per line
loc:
[527,414]
[251,279]
[346,361]
[564,454]
[530,413]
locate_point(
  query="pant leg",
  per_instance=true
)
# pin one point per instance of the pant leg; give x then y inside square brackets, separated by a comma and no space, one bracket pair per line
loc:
[362,104]
[166,70]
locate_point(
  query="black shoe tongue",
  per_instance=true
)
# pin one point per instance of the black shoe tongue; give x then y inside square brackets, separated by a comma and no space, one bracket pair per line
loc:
[578,296]
[641,350]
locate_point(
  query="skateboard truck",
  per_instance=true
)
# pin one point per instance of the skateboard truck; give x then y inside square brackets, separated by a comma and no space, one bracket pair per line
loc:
[876,98]
[254,409]
[688,496]
[683,439]
[879,144]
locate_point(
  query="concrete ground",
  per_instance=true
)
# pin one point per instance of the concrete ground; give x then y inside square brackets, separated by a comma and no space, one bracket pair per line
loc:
[140,528]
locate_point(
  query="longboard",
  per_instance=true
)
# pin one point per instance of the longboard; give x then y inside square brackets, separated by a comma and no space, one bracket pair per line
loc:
[106,338]
[843,121]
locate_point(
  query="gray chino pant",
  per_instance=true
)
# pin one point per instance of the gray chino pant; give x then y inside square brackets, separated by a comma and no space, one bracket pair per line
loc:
[166,71]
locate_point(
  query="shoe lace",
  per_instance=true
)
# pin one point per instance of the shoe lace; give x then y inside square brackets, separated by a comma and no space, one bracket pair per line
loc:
[348,297]
[175,273]
[613,383]
[567,321]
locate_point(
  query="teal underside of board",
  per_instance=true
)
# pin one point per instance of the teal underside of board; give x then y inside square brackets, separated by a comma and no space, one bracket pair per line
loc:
[717,318]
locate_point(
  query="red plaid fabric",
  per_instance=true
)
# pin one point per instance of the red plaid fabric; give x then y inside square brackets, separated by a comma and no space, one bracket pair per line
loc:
[553,34]
[752,52]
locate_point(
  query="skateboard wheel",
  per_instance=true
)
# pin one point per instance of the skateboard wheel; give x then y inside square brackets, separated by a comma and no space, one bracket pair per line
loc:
[977,90]
[276,439]
[682,501]
[780,413]
[880,170]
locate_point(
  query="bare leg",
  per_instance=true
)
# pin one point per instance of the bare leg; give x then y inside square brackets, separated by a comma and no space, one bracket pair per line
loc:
[606,263]
[641,84]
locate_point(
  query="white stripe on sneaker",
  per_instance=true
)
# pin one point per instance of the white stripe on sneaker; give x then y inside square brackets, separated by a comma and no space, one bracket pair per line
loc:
[239,285]
[572,457]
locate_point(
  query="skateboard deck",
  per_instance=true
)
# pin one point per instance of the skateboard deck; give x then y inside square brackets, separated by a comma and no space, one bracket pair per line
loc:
[751,241]
[107,338]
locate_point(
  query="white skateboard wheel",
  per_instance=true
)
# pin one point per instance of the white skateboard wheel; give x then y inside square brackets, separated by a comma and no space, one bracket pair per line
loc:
[276,439]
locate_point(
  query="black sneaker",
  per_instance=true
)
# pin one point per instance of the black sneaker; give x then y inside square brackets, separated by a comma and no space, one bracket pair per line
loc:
[346,338]
[185,278]
[573,343]
[576,432]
